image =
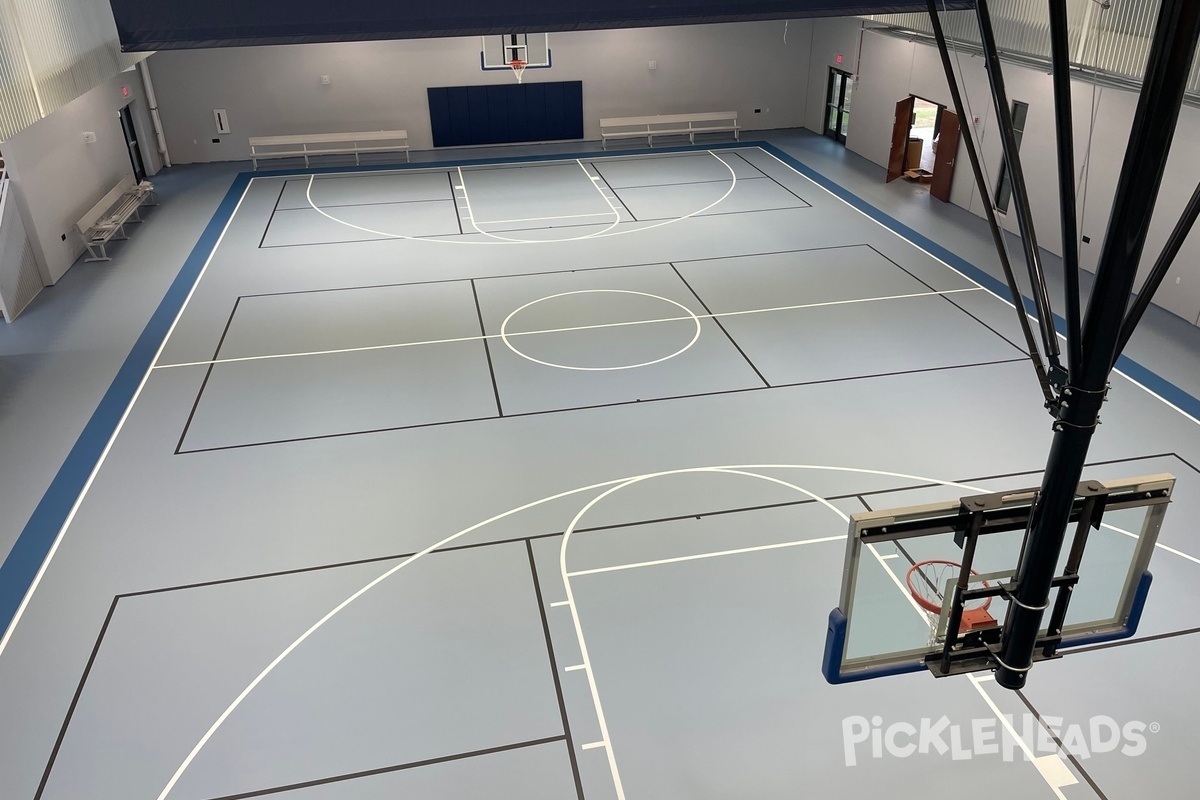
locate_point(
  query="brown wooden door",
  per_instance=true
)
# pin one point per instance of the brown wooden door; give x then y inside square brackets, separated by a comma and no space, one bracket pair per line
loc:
[904,112]
[947,152]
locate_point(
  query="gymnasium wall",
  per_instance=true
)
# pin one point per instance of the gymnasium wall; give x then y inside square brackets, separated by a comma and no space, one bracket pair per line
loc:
[58,176]
[893,68]
[382,85]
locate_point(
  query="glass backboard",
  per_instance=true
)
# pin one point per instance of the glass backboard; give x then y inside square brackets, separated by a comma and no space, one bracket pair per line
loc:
[902,564]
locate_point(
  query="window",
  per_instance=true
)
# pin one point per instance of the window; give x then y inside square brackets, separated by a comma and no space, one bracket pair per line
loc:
[1003,184]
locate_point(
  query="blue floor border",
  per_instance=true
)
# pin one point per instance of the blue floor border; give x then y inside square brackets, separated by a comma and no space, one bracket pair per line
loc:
[29,552]
[1155,383]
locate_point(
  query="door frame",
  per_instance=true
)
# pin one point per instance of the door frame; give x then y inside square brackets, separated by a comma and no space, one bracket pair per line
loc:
[906,111]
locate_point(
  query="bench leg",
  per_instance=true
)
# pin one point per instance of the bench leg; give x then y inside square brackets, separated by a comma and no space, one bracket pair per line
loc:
[92,248]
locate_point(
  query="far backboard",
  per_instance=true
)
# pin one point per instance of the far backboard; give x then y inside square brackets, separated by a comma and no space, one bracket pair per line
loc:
[499,50]
[896,605]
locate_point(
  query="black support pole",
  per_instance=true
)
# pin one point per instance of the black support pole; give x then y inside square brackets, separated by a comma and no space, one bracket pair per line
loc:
[1016,176]
[1060,50]
[1155,278]
[989,211]
[1173,47]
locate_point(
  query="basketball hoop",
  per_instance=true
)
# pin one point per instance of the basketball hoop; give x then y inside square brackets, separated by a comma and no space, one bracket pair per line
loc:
[927,583]
[518,67]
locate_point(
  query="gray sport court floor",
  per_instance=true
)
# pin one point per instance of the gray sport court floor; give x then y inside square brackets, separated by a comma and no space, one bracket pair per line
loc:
[497,481]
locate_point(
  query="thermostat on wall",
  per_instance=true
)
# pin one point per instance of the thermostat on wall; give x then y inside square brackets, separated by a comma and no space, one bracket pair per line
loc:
[222,118]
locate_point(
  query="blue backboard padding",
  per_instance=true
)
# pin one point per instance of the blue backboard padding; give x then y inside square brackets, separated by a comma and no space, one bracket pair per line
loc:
[176,24]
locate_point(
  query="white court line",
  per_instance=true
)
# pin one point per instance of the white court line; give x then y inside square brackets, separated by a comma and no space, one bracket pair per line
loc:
[575,668]
[596,704]
[1179,553]
[541,219]
[607,232]
[698,556]
[597,326]
[8,633]
[594,745]
[692,316]
[1168,548]
[1007,301]
[560,604]
[504,515]
[237,701]
[513,240]
[12,625]
[1012,732]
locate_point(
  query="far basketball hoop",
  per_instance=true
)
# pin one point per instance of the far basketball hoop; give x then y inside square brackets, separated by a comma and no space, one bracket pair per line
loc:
[515,51]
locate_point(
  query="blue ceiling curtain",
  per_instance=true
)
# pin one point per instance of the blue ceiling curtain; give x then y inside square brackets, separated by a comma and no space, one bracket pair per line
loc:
[175,24]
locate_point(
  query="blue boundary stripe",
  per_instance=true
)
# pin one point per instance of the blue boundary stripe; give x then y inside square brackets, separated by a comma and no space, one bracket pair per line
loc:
[1155,383]
[21,566]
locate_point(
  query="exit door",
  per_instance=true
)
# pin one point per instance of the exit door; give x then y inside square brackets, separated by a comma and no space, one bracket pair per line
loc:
[837,104]
[131,142]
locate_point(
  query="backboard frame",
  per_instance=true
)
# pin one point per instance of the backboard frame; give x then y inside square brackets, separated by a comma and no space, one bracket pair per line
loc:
[978,516]
[495,51]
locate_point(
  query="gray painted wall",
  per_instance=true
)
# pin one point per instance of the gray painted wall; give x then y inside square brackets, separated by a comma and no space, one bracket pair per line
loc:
[892,69]
[58,176]
[830,38]
[381,85]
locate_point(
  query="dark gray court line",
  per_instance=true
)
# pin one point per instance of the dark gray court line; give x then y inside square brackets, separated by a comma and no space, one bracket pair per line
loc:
[454,197]
[1058,741]
[556,271]
[527,540]
[1104,463]
[681,183]
[518,230]
[519,415]
[562,703]
[1003,338]
[207,374]
[1126,642]
[386,770]
[87,670]
[372,203]
[271,218]
[706,215]
[487,351]
[717,320]
[775,180]
[620,199]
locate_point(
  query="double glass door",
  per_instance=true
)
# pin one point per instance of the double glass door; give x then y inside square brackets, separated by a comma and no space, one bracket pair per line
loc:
[837,104]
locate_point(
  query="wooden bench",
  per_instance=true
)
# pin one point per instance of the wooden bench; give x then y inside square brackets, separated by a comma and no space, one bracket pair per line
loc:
[106,220]
[668,125]
[326,144]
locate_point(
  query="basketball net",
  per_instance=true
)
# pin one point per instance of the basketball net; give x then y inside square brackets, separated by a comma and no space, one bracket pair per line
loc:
[518,67]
